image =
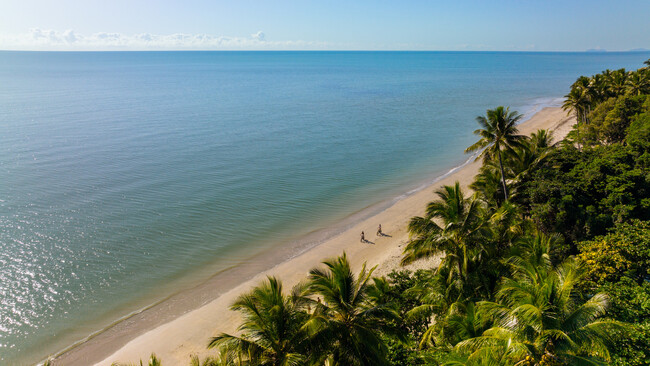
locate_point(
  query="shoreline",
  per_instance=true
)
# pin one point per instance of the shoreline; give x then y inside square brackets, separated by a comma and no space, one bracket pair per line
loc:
[182,323]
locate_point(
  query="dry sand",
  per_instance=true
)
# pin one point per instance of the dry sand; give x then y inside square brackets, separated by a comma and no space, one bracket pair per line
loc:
[188,334]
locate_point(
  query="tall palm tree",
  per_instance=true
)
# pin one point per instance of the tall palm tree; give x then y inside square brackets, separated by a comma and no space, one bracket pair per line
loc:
[457,234]
[348,323]
[577,101]
[538,319]
[580,99]
[272,333]
[518,164]
[499,132]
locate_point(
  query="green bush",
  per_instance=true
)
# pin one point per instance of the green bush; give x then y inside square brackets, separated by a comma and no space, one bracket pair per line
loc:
[608,123]
[624,252]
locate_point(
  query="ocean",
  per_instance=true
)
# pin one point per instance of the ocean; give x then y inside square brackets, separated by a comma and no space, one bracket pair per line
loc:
[128,176]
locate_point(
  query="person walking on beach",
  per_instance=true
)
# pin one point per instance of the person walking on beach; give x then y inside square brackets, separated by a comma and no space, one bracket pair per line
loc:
[363,237]
[379,233]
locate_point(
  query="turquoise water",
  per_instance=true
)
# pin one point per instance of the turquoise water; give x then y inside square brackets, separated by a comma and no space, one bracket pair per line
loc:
[123,175]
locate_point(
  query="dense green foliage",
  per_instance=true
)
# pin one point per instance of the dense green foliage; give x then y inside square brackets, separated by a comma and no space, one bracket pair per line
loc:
[600,176]
[610,120]
[624,252]
[580,194]
[619,265]
[546,263]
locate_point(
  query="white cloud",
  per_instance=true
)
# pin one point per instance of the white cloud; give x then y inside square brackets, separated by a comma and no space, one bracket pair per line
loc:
[40,39]
[258,36]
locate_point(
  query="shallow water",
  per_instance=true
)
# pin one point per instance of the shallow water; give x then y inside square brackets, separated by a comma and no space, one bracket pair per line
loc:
[124,176]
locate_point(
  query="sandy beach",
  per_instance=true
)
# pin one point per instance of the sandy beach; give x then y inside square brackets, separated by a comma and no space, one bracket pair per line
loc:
[175,338]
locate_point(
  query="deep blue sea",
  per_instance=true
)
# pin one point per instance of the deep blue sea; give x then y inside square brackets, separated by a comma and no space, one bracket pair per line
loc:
[125,176]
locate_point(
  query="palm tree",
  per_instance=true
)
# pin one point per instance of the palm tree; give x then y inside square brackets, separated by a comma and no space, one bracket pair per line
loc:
[464,321]
[538,319]
[541,140]
[506,227]
[617,80]
[597,89]
[347,323]
[271,333]
[499,133]
[518,164]
[578,102]
[647,62]
[153,361]
[225,357]
[521,162]
[638,82]
[488,184]
[457,235]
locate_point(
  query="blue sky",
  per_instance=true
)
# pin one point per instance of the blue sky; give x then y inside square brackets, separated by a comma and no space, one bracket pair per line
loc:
[363,25]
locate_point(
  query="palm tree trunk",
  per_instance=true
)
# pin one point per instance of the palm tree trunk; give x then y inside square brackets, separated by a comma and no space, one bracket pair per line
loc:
[503,176]
[579,119]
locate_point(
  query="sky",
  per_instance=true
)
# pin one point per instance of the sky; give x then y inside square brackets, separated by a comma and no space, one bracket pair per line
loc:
[479,25]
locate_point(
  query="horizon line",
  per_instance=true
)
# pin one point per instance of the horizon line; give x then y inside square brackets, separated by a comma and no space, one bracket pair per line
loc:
[595,51]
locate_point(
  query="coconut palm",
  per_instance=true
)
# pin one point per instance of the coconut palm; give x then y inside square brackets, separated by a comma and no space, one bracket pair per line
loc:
[518,164]
[498,132]
[616,81]
[541,140]
[585,83]
[347,323]
[539,319]
[487,183]
[597,89]
[153,361]
[578,103]
[580,99]
[638,82]
[521,162]
[271,333]
[225,357]
[505,228]
[464,322]
[457,234]
[435,295]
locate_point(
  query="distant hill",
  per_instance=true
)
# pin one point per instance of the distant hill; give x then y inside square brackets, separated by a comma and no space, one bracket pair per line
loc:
[632,50]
